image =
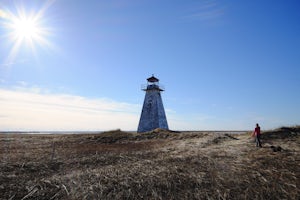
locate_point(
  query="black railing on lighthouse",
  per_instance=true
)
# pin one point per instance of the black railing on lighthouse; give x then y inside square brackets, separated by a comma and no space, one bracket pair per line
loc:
[153,86]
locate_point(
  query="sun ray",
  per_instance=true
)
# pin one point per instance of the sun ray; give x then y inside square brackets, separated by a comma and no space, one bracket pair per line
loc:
[26,30]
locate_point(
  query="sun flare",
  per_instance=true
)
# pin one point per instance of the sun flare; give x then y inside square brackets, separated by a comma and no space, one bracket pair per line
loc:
[26,30]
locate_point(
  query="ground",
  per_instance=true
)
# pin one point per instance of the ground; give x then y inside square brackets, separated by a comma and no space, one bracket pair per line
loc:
[156,165]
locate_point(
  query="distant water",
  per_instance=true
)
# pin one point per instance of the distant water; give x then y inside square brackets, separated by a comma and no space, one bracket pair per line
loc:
[98,132]
[51,132]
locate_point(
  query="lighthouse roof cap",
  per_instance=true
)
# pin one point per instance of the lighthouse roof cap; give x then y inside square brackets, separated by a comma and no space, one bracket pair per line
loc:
[152,79]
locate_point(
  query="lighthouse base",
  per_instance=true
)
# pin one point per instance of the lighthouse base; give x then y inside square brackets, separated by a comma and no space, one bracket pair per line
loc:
[153,114]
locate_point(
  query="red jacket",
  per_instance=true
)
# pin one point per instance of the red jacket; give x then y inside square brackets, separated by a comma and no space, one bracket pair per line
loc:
[257,131]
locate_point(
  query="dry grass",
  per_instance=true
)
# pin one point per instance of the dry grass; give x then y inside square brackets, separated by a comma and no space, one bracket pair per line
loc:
[153,165]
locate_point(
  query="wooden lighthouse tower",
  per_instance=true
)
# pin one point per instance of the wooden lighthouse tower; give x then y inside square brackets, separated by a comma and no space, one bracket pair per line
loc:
[153,114]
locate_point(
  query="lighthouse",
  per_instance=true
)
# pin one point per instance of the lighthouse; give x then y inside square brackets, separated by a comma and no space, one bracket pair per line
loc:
[153,113]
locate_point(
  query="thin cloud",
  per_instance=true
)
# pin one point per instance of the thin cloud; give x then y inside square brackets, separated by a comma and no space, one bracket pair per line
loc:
[205,10]
[27,110]
[11,63]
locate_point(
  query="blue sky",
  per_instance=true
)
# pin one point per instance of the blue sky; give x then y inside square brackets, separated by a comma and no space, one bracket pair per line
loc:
[226,65]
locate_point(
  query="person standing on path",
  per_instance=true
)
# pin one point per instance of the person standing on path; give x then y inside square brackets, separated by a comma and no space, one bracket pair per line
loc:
[256,134]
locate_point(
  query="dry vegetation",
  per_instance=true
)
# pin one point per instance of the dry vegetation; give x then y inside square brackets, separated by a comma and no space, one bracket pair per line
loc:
[154,165]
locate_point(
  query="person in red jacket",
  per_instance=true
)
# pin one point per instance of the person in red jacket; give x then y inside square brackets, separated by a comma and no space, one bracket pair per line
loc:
[256,134]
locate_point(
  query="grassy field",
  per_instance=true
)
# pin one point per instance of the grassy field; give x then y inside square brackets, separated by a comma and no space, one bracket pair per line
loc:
[154,165]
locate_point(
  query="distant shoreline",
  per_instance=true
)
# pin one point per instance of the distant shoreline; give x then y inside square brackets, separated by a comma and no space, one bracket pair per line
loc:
[99,132]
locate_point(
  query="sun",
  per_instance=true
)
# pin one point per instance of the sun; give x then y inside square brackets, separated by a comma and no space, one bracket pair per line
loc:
[26,30]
